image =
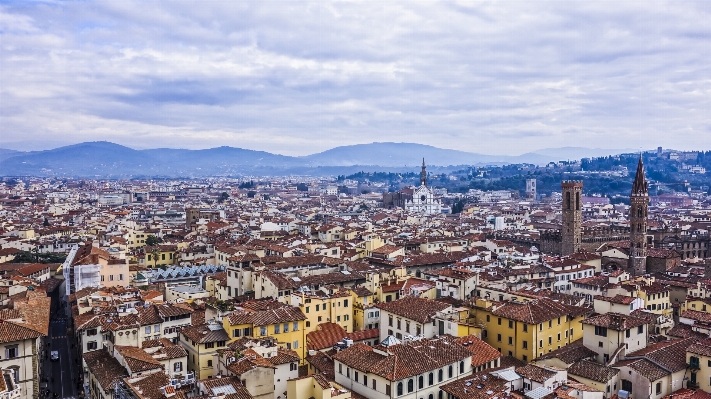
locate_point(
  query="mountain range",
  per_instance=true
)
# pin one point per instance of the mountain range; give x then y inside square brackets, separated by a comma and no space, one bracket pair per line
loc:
[108,160]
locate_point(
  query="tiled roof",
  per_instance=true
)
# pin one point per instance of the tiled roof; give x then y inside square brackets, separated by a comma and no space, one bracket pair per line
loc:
[137,359]
[149,385]
[644,367]
[477,386]
[482,352]
[202,334]
[421,310]
[284,356]
[571,353]
[323,363]
[670,355]
[614,321]
[592,371]
[538,311]
[263,318]
[106,369]
[405,360]
[535,373]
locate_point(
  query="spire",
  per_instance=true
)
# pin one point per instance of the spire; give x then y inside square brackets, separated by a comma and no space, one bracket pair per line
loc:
[640,186]
[423,174]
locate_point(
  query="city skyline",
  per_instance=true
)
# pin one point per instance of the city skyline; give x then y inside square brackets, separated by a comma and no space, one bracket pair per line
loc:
[301,78]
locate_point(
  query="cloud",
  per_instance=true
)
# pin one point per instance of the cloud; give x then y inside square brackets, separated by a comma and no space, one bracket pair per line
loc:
[300,77]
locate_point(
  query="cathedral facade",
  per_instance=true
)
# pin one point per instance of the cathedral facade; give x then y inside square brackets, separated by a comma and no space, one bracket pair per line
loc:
[423,200]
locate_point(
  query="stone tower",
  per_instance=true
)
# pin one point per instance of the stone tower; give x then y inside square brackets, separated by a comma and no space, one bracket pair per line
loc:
[531,188]
[639,202]
[423,174]
[571,231]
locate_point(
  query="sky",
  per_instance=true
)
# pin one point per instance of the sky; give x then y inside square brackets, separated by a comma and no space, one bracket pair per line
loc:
[297,78]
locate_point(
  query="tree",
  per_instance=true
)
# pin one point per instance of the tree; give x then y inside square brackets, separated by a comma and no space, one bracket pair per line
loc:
[223,197]
[152,240]
[155,252]
[46,222]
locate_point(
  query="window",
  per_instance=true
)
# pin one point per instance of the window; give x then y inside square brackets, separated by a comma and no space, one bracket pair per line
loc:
[601,331]
[499,321]
[640,329]
[450,371]
[148,330]
[296,345]
[488,318]
[461,367]
[307,309]
[263,330]
[628,332]
[440,375]
[111,277]
[317,306]
[390,321]
[410,385]
[399,389]
[355,376]
[91,332]
[374,385]
[420,382]
[295,327]
[430,379]
[220,344]
[156,328]
[498,337]
[524,344]
[510,340]
[659,388]
[345,303]
[525,328]
[209,345]
[178,366]
[340,368]
[627,386]
[91,345]
[236,333]
[511,324]
[286,327]
[209,363]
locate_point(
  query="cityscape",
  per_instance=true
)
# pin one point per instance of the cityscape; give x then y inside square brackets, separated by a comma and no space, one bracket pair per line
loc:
[355,200]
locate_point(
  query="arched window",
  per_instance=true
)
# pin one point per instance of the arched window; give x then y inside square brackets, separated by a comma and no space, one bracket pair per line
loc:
[567,201]
[410,385]
[441,394]
[430,379]
[399,389]
[440,375]
[431,396]
[461,367]
[420,382]
[450,371]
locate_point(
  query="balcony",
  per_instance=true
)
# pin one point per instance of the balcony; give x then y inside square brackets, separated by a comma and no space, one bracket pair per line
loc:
[692,384]
[693,365]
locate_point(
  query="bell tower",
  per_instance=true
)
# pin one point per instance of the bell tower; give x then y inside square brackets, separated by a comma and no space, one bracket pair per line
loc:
[423,174]
[639,203]
[571,230]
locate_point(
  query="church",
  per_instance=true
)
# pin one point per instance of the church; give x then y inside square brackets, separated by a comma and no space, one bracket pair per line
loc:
[423,200]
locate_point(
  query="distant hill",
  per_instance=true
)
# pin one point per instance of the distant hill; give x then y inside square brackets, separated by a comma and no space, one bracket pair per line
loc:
[105,159]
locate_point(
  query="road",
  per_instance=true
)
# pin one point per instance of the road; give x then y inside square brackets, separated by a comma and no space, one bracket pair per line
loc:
[63,373]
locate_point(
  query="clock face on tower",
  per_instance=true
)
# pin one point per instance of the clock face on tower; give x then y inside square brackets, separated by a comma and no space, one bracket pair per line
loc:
[423,198]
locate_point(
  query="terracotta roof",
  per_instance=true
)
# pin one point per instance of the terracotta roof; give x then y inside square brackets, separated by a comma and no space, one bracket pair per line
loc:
[421,310]
[614,321]
[137,359]
[106,369]
[592,371]
[405,360]
[262,318]
[535,373]
[482,353]
[477,386]
[203,334]
[571,353]
[538,311]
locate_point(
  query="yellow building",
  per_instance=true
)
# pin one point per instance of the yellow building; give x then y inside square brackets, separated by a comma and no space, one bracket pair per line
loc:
[655,294]
[527,330]
[202,342]
[698,357]
[136,239]
[698,304]
[286,324]
[326,305]
[160,255]
[364,313]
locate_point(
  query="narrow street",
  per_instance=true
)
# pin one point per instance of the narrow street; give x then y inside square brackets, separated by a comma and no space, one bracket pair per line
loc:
[61,375]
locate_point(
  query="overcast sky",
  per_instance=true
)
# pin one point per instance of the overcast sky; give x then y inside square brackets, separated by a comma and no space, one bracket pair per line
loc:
[297,78]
